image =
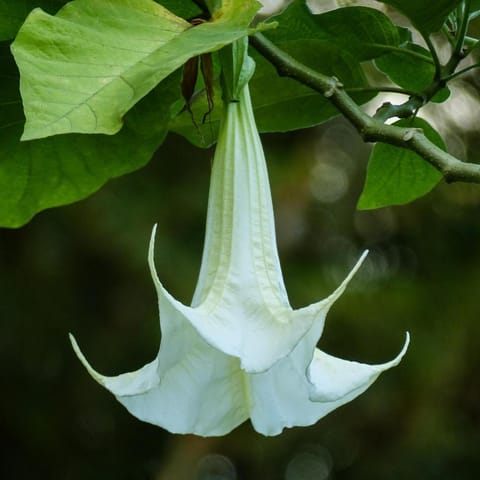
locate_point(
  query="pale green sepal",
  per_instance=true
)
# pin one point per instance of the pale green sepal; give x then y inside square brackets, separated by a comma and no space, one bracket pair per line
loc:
[237,69]
[332,378]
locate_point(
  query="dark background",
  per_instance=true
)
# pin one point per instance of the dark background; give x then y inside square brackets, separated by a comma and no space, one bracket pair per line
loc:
[83,269]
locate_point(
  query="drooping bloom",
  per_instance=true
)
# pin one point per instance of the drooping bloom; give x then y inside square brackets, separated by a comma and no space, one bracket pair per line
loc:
[239,351]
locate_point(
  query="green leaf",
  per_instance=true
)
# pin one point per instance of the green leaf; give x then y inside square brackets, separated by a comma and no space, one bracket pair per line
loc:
[59,170]
[395,175]
[474,7]
[413,72]
[408,71]
[405,35]
[190,125]
[363,32]
[14,12]
[428,16]
[84,68]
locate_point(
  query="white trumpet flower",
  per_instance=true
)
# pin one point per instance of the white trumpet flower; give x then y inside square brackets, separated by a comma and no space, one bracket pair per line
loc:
[239,351]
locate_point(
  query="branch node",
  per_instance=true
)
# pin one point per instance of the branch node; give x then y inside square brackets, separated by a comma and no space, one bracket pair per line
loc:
[335,83]
[410,133]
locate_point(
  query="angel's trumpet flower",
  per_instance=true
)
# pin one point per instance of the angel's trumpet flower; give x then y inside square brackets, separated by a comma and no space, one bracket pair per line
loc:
[239,351]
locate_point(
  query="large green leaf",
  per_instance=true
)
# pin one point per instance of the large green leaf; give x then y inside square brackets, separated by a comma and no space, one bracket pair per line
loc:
[395,175]
[363,32]
[427,15]
[14,12]
[44,173]
[84,68]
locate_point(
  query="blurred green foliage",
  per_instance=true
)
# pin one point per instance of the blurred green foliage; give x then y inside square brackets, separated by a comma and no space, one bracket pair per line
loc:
[83,269]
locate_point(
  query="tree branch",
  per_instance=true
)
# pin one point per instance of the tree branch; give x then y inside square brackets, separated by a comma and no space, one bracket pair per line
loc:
[370,129]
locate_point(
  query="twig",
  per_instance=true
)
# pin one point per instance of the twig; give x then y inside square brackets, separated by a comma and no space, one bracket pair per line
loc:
[461,72]
[433,52]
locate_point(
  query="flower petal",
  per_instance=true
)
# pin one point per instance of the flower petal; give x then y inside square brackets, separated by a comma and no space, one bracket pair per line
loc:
[325,304]
[190,387]
[266,335]
[279,397]
[240,243]
[282,398]
[240,305]
[318,311]
[201,394]
[333,379]
[130,383]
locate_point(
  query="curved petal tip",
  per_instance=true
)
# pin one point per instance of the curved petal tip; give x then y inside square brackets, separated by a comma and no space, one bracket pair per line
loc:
[405,346]
[151,257]
[341,288]
[354,270]
[94,374]
[336,380]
